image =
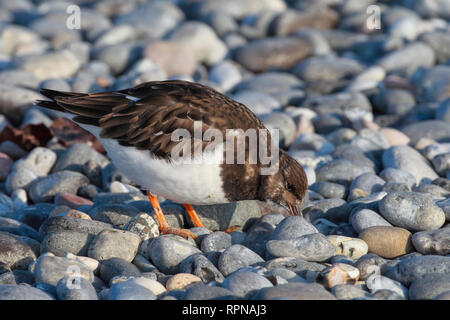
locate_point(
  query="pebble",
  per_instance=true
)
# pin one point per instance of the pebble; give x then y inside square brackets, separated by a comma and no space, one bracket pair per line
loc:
[114,243]
[143,225]
[398,176]
[75,288]
[47,188]
[226,74]
[15,253]
[264,54]
[74,157]
[22,292]
[203,41]
[369,264]
[224,216]
[130,290]
[348,292]
[312,247]
[411,210]
[432,242]
[341,171]
[377,282]
[51,269]
[174,58]
[429,286]
[329,189]
[116,214]
[351,247]
[202,267]
[181,281]
[6,165]
[338,273]
[168,251]
[258,102]
[295,291]
[60,223]
[245,283]
[216,241]
[387,242]
[293,227]
[236,257]
[62,242]
[408,270]
[365,185]
[366,218]
[114,267]
[202,292]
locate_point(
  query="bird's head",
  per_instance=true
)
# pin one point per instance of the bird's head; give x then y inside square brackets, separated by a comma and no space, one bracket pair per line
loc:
[287,186]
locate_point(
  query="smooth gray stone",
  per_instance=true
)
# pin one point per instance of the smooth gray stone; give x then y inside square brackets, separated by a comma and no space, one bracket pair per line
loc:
[429,286]
[245,283]
[237,257]
[75,288]
[295,291]
[22,292]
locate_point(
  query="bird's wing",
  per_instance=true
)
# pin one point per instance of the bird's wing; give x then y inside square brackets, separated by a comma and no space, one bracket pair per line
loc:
[146,116]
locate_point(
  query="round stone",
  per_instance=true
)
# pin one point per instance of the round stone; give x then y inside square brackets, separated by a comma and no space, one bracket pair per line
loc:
[114,243]
[75,288]
[237,257]
[429,286]
[168,251]
[387,242]
[432,242]
[311,247]
[181,280]
[411,210]
[351,247]
[245,283]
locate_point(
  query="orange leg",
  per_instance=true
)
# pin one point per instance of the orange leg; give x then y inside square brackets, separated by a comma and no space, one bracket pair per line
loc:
[163,225]
[198,223]
[193,215]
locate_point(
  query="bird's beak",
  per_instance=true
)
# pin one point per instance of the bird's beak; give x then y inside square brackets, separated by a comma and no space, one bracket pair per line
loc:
[295,210]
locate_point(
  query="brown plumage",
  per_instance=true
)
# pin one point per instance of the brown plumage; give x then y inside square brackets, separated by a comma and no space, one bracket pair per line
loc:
[145,117]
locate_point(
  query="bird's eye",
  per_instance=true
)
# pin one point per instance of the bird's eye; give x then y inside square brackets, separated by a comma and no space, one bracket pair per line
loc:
[289,187]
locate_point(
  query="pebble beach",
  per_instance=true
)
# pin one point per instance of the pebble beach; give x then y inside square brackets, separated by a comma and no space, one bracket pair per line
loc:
[358,89]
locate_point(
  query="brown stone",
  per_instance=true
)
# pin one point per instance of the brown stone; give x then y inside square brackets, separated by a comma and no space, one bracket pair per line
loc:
[181,280]
[291,20]
[388,242]
[284,53]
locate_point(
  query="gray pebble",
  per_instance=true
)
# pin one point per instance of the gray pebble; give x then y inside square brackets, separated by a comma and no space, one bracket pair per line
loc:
[216,241]
[432,242]
[168,251]
[245,283]
[75,288]
[408,270]
[51,269]
[130,290]
[116,214]
[296,291]
[293,227]
[202,267]
[114,267]
[114,243]
[411,210]
[22,292]
[14,252]
[312,247]
[237,257]
[366,218]
[429,286]
[64,241]
[45,189]
[202,292]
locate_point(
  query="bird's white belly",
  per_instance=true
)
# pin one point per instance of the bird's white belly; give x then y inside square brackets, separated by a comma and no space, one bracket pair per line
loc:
[181,182]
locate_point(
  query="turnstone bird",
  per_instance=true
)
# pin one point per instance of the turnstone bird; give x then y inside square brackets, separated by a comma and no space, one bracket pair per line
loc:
[136,128]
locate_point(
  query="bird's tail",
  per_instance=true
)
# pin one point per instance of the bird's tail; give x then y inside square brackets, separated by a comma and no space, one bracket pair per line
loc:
[53,95]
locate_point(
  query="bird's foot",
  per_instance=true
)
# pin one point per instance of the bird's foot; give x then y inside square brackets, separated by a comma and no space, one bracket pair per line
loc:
[185,233]
[231,229]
